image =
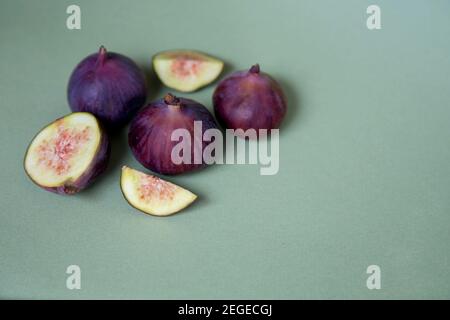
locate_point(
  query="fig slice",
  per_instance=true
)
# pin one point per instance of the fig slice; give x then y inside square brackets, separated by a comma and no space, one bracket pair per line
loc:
[68,154]
[153,195]
[186,70]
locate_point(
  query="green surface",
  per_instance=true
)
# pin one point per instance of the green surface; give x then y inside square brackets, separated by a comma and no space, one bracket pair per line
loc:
[364,159]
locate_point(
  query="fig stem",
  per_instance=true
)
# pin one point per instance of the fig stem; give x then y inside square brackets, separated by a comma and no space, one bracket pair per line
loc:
[102,55]
[171,100]
[255,68]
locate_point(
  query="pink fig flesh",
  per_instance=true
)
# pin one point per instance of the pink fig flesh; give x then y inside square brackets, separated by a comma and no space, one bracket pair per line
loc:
[153,195]
[67,155]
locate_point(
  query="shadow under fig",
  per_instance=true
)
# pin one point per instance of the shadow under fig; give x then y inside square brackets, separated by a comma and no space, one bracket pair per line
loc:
[154,85]
[293,105]
[119,150]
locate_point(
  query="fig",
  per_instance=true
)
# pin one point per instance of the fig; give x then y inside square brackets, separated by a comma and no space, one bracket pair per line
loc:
[153,195]
[150,134]
[108,85]
[249,100]
[185,70]
[68,154]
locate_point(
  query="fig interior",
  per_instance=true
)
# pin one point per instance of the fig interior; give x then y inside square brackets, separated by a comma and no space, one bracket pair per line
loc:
[63,150]
[153,195]
[186,70]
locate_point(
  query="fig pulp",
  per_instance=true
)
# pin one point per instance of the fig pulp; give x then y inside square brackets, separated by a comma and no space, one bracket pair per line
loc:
[68,154]
[185,70]
[150,135]
[108,85]
[249,100]
[153,195]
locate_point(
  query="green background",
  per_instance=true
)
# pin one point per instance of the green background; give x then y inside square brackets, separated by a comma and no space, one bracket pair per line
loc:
[364,157]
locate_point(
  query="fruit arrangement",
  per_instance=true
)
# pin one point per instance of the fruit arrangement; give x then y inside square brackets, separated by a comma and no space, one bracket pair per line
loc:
[107,90]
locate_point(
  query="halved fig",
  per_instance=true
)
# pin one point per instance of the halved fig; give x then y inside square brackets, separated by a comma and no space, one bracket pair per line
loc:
[68,154]
[153,195]
[186,70]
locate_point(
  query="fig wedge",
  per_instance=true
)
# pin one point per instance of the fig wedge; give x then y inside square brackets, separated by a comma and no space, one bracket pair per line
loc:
[186,70]
[68,154]
[153,195]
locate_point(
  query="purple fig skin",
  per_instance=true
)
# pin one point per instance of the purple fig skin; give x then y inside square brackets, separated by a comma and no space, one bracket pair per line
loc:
[98,165]
[150,133]
[249,100]
[108,85]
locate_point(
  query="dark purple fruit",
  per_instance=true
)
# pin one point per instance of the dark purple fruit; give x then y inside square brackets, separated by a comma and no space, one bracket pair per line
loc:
[150,135]
[68,154]
[249,100]
[108,85]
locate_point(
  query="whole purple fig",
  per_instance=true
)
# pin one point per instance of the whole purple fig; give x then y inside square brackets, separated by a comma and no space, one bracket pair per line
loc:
[108,85]
[151,134]
[249,100]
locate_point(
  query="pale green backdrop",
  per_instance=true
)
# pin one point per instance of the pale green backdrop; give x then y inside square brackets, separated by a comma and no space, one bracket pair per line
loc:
[365,155]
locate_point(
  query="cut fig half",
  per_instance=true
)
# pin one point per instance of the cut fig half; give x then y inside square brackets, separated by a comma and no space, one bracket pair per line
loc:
[186,70]
[153,195]
[68,154]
